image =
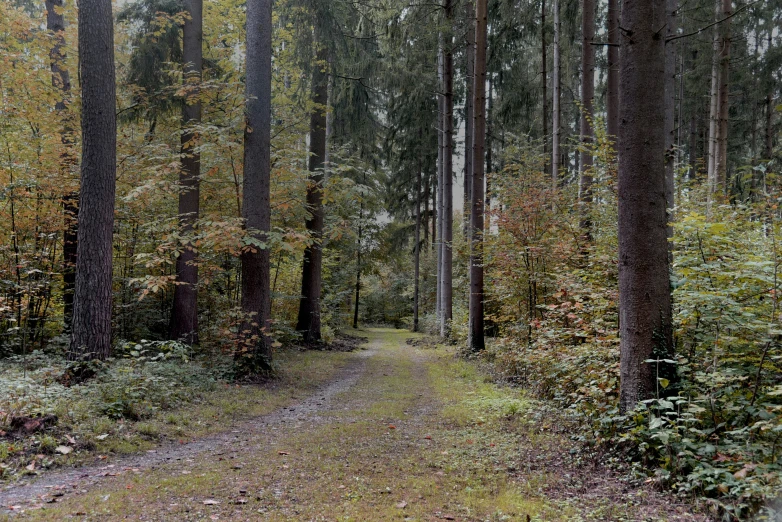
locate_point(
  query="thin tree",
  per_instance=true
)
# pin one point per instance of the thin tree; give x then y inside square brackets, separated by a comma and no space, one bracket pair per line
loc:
[543,80]
[447,235]
[556,100]
[309,321]
[91,329]
[723,99]
[184,313]
[587,113]
[255,353]
[476,340]
[469,79]
[714,104]
[671,8]
[612,82]
[644,282]
[416,295]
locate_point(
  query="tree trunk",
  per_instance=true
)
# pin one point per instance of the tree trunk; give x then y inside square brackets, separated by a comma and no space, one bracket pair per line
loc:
[612,86]
[476,340]
[416,296]
[587,113]
[425,218]
[769,147]
[713,106]
[91,330]
[447,235]
[55,23]
[358,266]
[543,81]
[468,112]
[556,99]
[309,306]
[723,100]
[644,281]
[488,147]
[184,314]
[255,351]
[671,8]
[440,156]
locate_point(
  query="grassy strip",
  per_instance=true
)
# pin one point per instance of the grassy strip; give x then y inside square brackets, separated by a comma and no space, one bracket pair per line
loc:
[206,407]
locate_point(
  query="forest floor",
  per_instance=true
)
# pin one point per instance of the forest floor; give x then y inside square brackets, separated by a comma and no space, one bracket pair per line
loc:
[405,431]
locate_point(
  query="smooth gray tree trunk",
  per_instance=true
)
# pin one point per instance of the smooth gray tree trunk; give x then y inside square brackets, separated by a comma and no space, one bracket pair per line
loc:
[468,111]
[556,116]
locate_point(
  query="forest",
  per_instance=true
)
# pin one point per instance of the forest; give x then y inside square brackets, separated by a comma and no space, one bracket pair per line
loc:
[554,223]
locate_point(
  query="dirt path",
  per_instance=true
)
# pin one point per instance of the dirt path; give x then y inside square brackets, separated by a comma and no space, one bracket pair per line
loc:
[403,433]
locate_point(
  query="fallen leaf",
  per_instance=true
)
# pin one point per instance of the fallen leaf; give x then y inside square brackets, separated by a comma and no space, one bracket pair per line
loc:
[428,437]
[283,453]
[402,505]
[391,427]
[30,467]
[70,439]
[102,437]
[211,502]
[63,449]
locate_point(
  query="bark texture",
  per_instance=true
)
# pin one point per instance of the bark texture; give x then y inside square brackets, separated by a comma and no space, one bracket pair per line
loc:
[723,100]
[476,340]
[308,323]
[91,329]
[184,314]
[255,350]
[671,8]
[644,282]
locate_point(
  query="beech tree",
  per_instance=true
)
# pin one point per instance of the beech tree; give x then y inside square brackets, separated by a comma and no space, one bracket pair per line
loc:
[644,277]
[91,329]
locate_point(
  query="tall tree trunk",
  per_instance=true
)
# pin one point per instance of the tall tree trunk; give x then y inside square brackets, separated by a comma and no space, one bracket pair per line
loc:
[358,266]
[544,81]
[556,99]
[489,149]
[440,156]
[723,99]
[714,105]
[91,329]
[184,314]
[671,8]
[769,147]
[476,340]
[55,23]
[425,218]
[309,306]
[255,352]
[612,85]
[447,236]
[587,113]
[644,281]
[416,296]
[469,78]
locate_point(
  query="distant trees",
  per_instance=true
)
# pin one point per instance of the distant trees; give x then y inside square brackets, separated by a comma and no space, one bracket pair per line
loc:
[91,329]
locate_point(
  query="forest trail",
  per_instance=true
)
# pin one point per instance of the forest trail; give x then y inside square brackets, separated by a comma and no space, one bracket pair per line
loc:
[404,432]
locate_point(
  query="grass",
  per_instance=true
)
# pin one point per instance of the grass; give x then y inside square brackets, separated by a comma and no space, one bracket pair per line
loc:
[421,436]
[206,410]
